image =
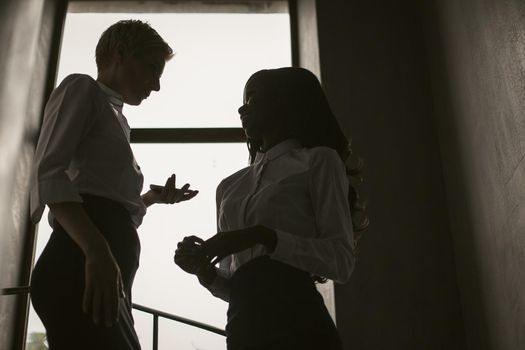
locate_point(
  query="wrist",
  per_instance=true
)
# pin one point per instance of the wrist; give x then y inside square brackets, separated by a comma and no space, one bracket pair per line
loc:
[147,198]
[207,276]
[268,238]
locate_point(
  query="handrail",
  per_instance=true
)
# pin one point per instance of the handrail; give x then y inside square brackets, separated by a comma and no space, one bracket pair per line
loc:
[180,319]
[157,313]
[15,290]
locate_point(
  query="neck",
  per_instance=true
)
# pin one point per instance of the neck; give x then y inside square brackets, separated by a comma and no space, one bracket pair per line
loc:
[107,78]
[269,142]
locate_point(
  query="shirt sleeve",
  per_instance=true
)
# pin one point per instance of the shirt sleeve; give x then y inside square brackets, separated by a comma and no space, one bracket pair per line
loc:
[220,287]
[68,116]
[330,254]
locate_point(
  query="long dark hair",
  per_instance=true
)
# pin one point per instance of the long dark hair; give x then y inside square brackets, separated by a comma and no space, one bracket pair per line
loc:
[301,100]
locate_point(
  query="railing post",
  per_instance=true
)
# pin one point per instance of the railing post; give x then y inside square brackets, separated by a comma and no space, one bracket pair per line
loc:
[156,314]
[155,332]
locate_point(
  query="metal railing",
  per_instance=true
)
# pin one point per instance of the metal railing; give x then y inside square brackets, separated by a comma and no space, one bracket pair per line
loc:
[157,313]
[24,290]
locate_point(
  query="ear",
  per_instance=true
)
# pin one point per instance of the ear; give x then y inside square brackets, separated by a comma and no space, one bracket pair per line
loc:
[120,53]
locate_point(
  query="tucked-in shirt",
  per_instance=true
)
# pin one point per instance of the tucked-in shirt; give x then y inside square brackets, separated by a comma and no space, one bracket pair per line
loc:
[84,148]
[300,193]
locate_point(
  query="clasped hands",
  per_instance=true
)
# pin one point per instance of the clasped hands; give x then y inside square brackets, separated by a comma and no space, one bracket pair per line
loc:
[199,257]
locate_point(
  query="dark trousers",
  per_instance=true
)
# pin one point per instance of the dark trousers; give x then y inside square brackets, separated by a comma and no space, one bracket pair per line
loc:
[274,306]
[57,283]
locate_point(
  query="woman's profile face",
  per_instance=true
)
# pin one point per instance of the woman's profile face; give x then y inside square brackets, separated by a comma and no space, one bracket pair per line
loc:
[258,112]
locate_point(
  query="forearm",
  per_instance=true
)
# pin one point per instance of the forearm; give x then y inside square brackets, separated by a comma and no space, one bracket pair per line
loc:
[217,283]
[77,224]
[332,258]
[266,237]
[102,278]
[207,276]
[148,199]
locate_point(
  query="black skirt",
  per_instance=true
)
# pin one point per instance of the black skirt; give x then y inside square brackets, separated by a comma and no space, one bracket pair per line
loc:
[275,306]
[57,283]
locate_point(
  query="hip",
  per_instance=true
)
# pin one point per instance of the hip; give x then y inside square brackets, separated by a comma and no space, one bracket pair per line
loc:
[272,302]
[62,257]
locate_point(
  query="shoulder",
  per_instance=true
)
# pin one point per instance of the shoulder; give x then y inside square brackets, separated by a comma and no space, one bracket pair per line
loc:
[326,167]
[324,156]
[78,85]
[79,89]
[78,80]
[232,179]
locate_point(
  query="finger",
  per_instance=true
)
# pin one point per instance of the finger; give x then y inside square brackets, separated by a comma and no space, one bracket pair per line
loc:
[87,299]
[187,244]
[108,307]
[188,196]
[187,248]
[116,294]
[182,255]
[192,193]
[115,304]
[185,253]
[170,182]
[121,289]
[192,239]
[184,259]
[216,260]
[96,307]
[180,193]
[156,188]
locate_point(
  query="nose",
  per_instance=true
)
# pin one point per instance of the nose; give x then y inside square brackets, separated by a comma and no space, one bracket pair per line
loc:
[156,85]
[242,109]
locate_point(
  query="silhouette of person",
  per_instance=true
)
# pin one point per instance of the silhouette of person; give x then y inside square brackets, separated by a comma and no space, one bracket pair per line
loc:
[85,171]
[285,221]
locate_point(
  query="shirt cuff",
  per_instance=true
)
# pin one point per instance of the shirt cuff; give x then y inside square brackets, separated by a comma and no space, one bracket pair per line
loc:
[220,285]
[49,192]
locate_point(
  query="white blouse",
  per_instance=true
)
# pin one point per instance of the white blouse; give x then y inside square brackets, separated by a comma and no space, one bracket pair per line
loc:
[301,194]
[84,148]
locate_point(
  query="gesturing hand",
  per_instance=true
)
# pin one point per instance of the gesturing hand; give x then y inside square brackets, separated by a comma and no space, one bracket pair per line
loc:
[103,287]
[170,194]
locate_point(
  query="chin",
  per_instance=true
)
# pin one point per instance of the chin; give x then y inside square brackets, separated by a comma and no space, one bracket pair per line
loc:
[134,102]
[251,134]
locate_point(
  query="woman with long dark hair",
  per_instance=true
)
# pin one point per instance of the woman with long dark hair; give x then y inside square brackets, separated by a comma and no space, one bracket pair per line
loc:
[287,220]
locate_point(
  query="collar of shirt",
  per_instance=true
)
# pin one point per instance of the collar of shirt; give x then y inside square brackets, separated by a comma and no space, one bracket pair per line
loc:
[277,150]
[115,100]
[114,97]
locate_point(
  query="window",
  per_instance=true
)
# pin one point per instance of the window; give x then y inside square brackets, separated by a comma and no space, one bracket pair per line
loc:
[190,127]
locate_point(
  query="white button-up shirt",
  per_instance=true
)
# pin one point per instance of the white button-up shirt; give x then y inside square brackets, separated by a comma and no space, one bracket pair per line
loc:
[303,195]
[84,148]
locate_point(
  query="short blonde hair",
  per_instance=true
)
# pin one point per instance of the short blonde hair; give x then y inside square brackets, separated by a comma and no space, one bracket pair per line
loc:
[134,36]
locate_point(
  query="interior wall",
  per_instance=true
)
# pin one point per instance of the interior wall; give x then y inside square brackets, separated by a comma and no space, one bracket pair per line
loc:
[477,52]
[26,30]
[403,293]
